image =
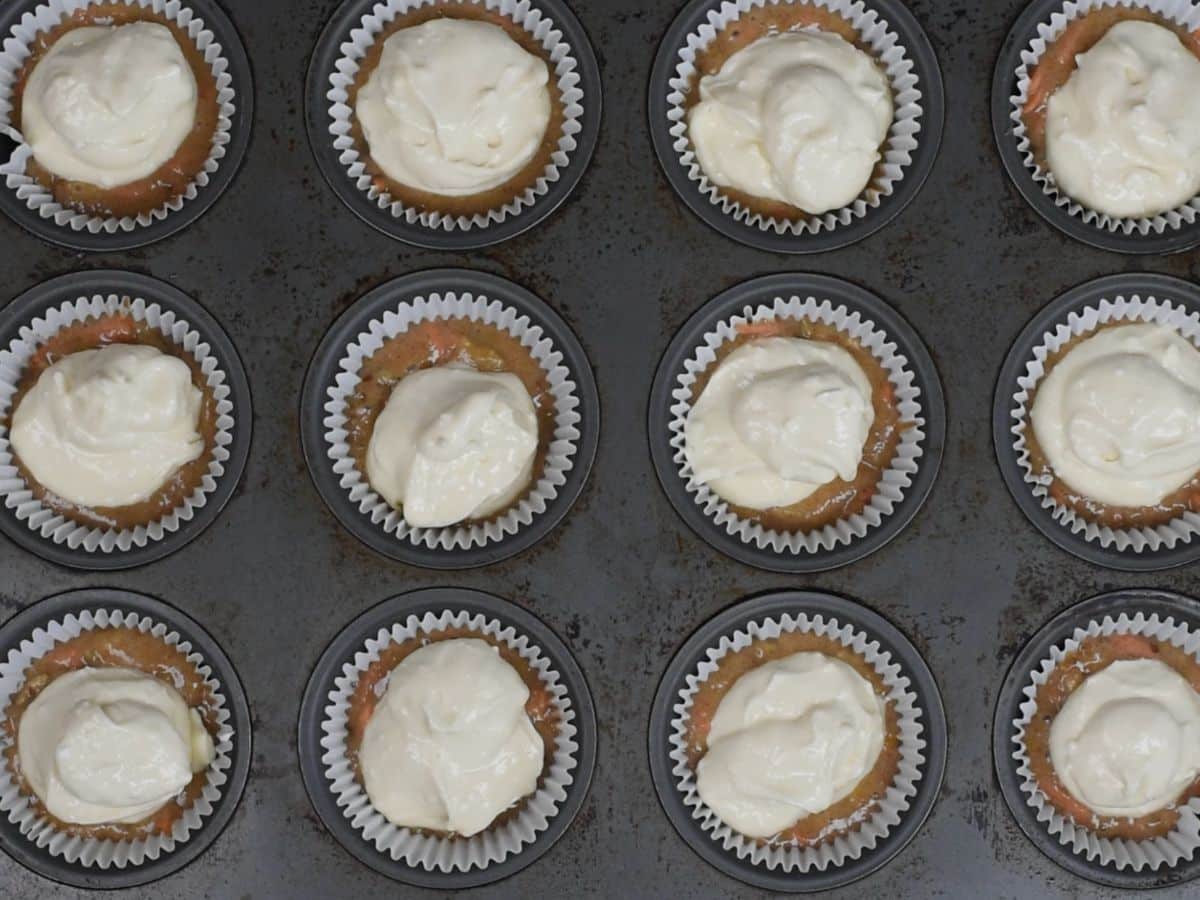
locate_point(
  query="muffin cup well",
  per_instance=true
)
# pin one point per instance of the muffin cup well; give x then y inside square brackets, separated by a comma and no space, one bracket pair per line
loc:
[864,835]
[15,492]
[570,58]
[390,310]
[1181,843]
[1124,298]
[881,836]
[900,489]
[36,207]
[92,863]
[1116,610]
[428,851]
[427,861]
[898,46]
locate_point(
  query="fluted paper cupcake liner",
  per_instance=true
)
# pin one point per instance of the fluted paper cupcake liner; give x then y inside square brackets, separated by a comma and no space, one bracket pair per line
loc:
[1182,12]
[566,73]
[1181,842]
[560,455]
[1132,309]
[15,492]
[429,851]
[893,481]
[903,135]
[863,833]
[94,852]
[16,49]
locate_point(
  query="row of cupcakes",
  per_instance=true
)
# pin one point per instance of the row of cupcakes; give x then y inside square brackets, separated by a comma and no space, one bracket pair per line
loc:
[794,126]
[797,740]
[450,419]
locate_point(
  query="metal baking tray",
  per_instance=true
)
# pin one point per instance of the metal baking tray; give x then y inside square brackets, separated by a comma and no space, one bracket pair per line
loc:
[622,579]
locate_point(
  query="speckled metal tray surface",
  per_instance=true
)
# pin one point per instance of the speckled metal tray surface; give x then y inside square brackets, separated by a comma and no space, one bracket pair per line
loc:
[622,579]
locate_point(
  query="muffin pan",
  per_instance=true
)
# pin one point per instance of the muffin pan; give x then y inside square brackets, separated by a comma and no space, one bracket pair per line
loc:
[101,240]
[33,304]
[932,731]
[1131,601]
[42,614]
[622,578]
[349,642]
[1181,294]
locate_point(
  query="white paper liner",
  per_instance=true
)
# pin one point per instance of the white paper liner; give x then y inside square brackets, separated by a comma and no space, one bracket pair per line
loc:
[428,851]
[893,482]
[863,831]
[1134,308]
[13,53]
[560,455]
[897,151]
[1180,843]
[15,492]
[1183,12]
[566,72]
[91,852]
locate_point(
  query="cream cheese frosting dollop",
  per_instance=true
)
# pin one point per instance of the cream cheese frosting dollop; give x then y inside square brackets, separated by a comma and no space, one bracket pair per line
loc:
[450,745]
[104,745]
[1127,740]
[109,105]
[789,739]
[453,444]
[1118,417]
[797,117]
[779,417]
[1123,133]
[455,107]
[108,427]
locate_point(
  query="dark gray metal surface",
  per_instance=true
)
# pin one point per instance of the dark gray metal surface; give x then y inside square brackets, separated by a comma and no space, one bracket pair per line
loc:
[623,580]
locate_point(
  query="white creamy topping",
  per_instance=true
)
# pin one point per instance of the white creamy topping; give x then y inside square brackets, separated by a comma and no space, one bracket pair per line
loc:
[797,117]
[455,107]
[1127,741]
[1118,417]
[789,739]
[450,746]
[109,105]
[1123,134]
[780,417]
[453,444]
[110,745]
[108,427]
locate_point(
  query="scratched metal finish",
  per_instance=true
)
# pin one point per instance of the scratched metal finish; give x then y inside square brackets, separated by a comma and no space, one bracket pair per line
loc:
[622,580]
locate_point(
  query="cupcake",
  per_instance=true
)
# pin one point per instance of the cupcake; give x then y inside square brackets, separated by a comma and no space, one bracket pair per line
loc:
[1107,97]
[797,425]
[1108,741]
[792,424]
[124,109]
[1100,424]
[1114,425]
[455,115]
[117,739]
[797,743]
[450,742]
[451,421]
[788,114]
[794,118]
[113,425]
